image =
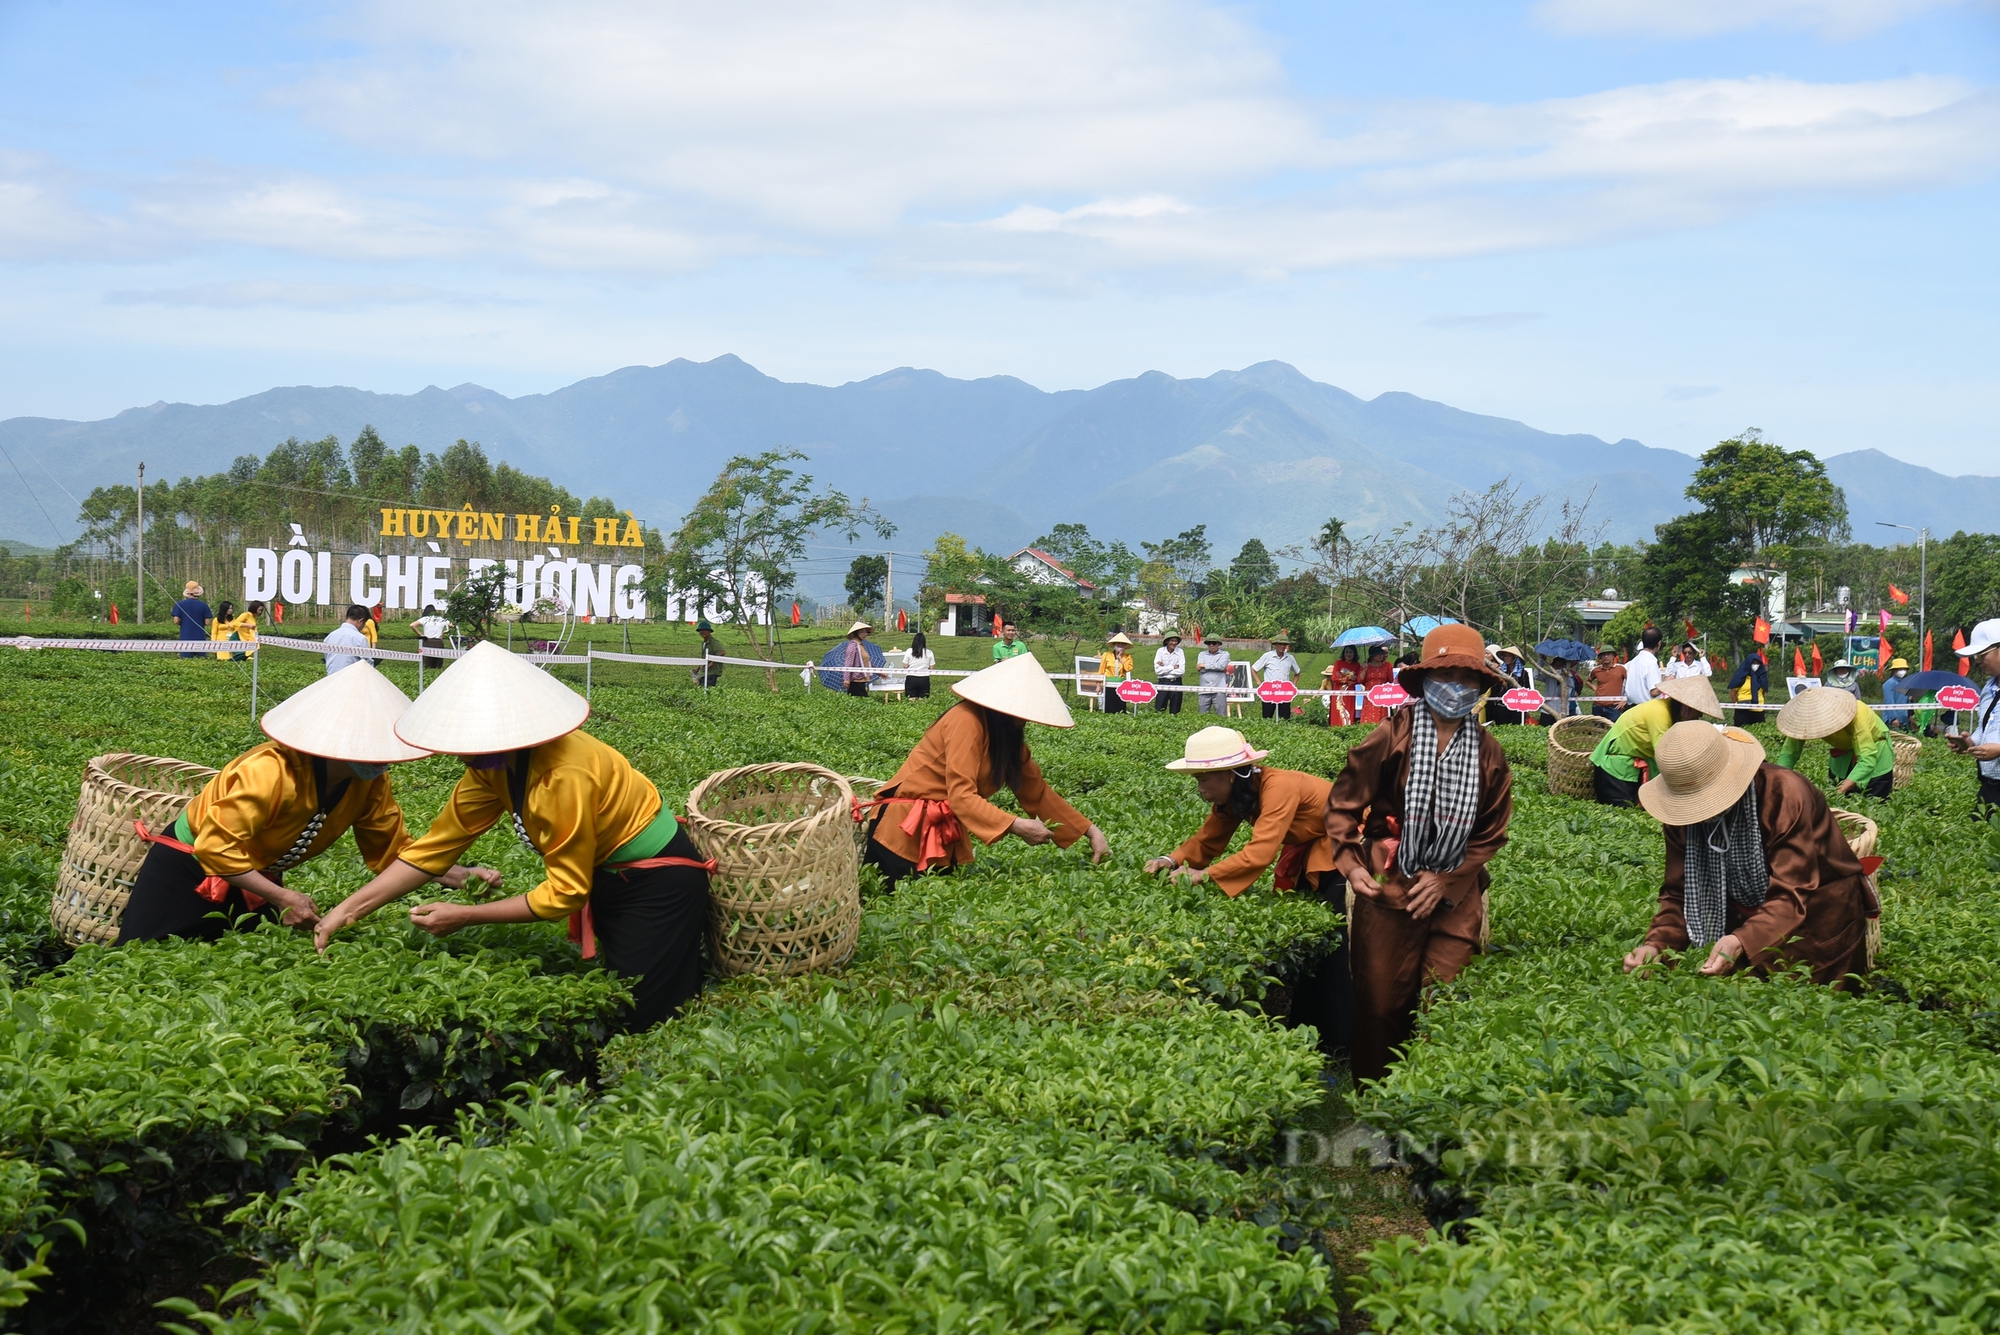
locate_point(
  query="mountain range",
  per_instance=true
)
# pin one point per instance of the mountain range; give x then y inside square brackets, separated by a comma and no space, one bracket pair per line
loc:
[1261,452]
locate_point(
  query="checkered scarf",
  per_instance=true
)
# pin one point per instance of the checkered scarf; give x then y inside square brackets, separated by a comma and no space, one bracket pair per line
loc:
[1440,796]
[1725,861]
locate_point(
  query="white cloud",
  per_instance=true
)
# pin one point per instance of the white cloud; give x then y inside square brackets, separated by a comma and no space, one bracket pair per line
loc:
[1838,19]
[244,293]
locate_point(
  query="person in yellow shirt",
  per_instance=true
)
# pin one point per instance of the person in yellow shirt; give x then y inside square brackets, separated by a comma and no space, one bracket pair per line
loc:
[232,627]
[1861,756]
[1628,747]
[1116,665]
[617,864]
[324,771]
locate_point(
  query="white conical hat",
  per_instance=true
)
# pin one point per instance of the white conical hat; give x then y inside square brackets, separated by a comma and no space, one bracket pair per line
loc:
[350,715]
[1018,686]
[489,701]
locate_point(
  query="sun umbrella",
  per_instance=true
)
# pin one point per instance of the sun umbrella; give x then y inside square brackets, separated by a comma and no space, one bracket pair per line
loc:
[1925,683]
[1363,637]
[1576,651]
[1421,626]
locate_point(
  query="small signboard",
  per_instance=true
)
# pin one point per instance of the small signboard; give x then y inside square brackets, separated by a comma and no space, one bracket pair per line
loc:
[1277,692]
[1136,692]
[1800,685]
[1959,697]
[1522,700]
[1388,695]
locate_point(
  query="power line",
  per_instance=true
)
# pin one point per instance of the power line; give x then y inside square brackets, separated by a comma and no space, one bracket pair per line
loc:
[31,494]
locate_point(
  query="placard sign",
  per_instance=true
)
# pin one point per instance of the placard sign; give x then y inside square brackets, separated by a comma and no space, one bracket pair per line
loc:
[1277,692]
[1388,695]
[1959,697]
[1136,692]
[1522,700]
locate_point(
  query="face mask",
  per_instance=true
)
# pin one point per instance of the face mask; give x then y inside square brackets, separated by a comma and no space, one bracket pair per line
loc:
[1449,700]
[498,760]
[365,773]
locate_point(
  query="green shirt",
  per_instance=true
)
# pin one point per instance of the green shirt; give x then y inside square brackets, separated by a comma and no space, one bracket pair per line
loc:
[1861,751]
[1002,650]
[1631,738]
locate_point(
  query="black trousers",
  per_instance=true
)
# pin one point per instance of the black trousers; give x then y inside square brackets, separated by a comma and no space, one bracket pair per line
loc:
[649,928]
[858,689]
[1324,998]
[164,902]
[1989,791]
[1114,703]
[1611,790]
[917,688]
[1881,786]
[893,865]
[1168,702]
[1746,718]
[1278,711]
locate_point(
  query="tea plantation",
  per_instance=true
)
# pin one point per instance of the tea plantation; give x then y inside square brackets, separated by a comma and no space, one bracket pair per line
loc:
[1043,1096]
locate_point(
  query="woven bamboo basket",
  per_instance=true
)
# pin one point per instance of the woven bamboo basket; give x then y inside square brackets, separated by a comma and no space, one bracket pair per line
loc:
[1571,741]
[865,790]
[1861,834]
[101,860]
[1908,747]
[785,897]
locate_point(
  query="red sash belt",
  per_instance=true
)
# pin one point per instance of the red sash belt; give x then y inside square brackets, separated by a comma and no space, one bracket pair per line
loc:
[212,888]
[1291,862]
[583,927]
[930,822]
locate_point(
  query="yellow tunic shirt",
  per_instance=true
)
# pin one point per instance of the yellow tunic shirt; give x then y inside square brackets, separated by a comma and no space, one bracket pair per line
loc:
[1861,751]
[1633,736]
[584,801]
[250,814]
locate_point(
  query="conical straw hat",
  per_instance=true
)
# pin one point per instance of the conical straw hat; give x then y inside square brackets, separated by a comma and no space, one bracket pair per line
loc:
[1216,748]
[1018,686]
[1703,771]
[1694,692]
[351,715]
[1817,713]
[491,701]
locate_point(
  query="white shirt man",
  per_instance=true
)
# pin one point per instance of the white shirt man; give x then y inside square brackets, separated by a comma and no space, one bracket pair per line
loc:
[1275,665]
[347,633]
[1169,662]
[1687,663]
[1642,677]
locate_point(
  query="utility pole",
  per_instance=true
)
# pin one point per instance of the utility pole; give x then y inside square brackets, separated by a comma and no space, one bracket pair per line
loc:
[141,565]
[888,591]
[1923,576]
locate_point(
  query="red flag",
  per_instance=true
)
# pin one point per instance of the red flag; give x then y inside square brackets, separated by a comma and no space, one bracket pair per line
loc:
[1799,663]
[1928,646]
[114,614]
[1900,597]
[1957,640]
[795,614]
[902,618]
[1196,628]
[1761,632]
[376,613]
[1883,653]
[1818,669]
[278,613]
[1693,634]
[27,611]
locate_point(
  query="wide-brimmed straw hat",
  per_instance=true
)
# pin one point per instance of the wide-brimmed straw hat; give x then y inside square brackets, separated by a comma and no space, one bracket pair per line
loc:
[491,701]
[1213,749]
[1703,771]
[860,625]
[1119,638]
[1817,712]
[1450,646]
[351,715]
[1695,692]
[1019,686]
[191,589]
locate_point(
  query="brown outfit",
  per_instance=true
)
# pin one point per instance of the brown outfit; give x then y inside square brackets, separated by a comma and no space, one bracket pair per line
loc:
[1393,954]
[1818,905]
[949,764]
[1291,815]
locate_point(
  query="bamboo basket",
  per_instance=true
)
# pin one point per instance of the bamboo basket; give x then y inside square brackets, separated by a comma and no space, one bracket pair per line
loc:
[1908,747]
[785,897]
[865,791]
[101,860]
[1861,834]
[1571,741]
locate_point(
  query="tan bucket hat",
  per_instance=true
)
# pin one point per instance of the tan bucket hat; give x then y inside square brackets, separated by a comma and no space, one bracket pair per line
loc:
[1019,686]
[490,701]
[1703,771]
[351,715]
[1213,749]
[1694,692]
[860,625]
[1818,712]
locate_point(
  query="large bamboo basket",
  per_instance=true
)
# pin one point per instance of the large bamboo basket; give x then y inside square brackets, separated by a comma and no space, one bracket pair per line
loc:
[101,860]
[785,897]
[1571,741]
[1908,748]
[1861,834]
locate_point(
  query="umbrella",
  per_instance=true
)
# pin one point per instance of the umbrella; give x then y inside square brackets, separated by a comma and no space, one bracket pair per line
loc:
[1927,683]
[1363,637]
[1576,651]
[1425,625]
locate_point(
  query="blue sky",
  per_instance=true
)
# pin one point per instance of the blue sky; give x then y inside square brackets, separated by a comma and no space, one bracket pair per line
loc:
[1664,220]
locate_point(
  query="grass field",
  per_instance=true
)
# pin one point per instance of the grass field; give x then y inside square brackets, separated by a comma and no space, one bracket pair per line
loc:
[1044,1095]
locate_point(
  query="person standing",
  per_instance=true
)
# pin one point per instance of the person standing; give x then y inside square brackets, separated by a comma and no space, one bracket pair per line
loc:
[1624,753]
[1750,683]
[709,674]
[1895,709]
[1983,743]
[1212,667]
[1416,815]
[1341,676]
[1276,664]
[350,635]
[1860,754]
[857,663]
[1688,662]
[1374,673]
[192,615]
[232,627]
[917,665]
[1643,675]
[1757,870]
[1010,644]
[431,627]
[1514,668]
[1608,679]
[1115,664]
[1169,669]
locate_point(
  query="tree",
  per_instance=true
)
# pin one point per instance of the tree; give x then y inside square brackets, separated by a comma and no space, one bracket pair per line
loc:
[1110,566]
[1965,583]
[1174,568]
[476,603]
[949,567]
[738,548]
[1253,566]
[1769,500]
[1684,576]
[865,580]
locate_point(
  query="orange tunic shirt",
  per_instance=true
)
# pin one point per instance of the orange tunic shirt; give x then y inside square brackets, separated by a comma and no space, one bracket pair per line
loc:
[949,764]
[1291,810]
[249,815]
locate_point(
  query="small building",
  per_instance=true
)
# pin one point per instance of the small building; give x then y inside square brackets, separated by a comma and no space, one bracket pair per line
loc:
[965,614]
[1039,566]
[1149,620]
